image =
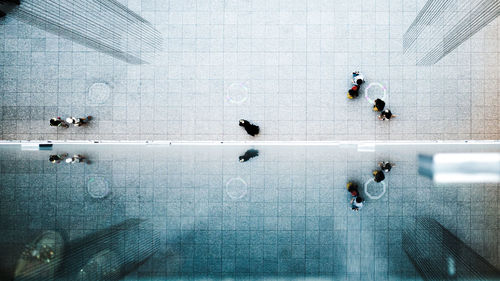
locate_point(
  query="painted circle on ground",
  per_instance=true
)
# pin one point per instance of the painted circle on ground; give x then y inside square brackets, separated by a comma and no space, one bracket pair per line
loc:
[236,188]
[237,93]
[99,93]
[375,91]
[98,187]
[375,190]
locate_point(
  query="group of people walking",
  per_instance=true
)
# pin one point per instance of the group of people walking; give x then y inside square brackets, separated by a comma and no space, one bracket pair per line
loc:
[77,122]
[385,167]
[77,158]
[356,201]
[357,80]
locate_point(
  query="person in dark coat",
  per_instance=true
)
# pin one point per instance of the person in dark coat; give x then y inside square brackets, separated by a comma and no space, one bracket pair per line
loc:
[386,115]
[353,189]
[378,105]
[58,122]
[249,154]
[56,158]
[251,129]
[378,176]
[353,92]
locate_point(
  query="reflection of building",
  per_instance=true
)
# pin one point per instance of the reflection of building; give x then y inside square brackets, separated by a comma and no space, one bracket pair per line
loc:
[439,255]
[108,254]
[6,6]
[106,26]
[41,258]
[442,25]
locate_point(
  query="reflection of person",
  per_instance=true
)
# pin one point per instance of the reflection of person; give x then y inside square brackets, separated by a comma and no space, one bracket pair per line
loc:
[251,129]
[353,189]
[58,122]
[78,121]
[378,176]
[386,115]
[77,158]
[378,105]
[249,154]
[57,158]
[356,203]
[386,166]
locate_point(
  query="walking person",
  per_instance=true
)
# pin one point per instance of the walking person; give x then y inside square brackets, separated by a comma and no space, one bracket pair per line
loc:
[251,129]
[353,189]
[378,176]
[78,121]
[386,166]
[353,92]
[386,115]
[58,122]
[378,105]
[357,203]
[57,158]
[356,81]
[357,78]
[356,200]
[249,154]
[77,158]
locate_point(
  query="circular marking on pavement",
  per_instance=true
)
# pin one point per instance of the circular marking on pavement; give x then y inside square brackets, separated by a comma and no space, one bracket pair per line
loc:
[375,190]
[236,188]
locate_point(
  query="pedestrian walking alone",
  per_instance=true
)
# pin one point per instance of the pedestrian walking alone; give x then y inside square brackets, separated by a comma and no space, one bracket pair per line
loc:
[249,154]
[251,129]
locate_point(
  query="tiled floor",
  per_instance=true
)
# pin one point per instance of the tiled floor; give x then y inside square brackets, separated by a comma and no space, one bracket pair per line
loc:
[283,214]
[293,57]
[285,65]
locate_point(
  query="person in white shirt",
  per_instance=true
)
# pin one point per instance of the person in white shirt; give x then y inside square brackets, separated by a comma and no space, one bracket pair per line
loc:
[357,78]
[356,203]
[78,121]
[77,158]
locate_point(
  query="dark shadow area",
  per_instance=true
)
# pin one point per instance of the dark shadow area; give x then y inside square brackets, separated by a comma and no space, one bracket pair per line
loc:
[437,254]
[6,6]
[106,26]
[247,254]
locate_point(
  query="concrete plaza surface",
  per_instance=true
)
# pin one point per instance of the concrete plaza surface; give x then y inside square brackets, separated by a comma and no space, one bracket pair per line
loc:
[284,65]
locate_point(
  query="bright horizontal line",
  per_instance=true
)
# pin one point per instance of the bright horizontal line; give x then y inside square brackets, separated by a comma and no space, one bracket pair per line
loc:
[363,144]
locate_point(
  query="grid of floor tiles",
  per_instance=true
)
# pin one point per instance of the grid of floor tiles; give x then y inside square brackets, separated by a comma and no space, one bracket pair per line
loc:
[291,219]
[287,61]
